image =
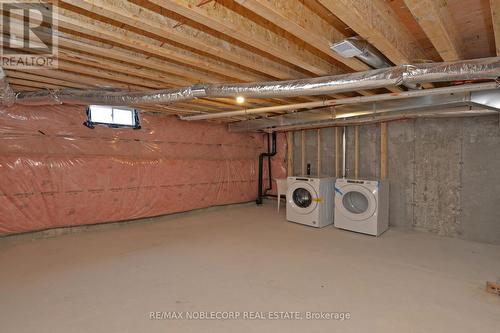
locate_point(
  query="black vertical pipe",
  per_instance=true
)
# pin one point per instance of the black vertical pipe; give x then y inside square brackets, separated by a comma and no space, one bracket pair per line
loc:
[269,154]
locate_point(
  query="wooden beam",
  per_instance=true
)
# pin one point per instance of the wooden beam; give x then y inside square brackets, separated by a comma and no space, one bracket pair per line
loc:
[434,18]
[111,51]
[20,87]
[383,151]
[303,153]
[338,152]
[356,152]
[296,18]
[289,156]
[224,19]
[318,151]
[375,21]
[164,28]
[79,24]
[495,13]
[134,81]
[39,78]
[78,77]
[138,59]
[157,79]
[35,84]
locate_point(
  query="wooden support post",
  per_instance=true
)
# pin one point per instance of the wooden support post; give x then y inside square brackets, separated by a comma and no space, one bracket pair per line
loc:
[383,151]
[303,152]
[356,152]
[289,157]
[338,152]
[318,157]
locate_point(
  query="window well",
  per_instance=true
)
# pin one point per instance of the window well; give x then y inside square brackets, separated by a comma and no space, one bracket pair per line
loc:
[112,116]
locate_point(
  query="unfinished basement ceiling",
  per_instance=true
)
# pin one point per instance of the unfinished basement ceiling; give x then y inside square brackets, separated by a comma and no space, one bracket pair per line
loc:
[140,45]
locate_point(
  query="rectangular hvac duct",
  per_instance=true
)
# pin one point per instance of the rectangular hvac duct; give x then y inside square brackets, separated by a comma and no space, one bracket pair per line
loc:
[489,99]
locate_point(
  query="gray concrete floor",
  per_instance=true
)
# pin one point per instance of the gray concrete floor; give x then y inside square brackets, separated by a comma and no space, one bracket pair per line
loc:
[245,258]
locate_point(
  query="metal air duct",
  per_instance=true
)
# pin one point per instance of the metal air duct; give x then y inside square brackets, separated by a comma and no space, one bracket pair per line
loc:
[486,68]
[364,51]
[361,49]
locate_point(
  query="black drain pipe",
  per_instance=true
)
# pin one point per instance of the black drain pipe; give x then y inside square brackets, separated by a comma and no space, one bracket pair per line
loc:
[269,154]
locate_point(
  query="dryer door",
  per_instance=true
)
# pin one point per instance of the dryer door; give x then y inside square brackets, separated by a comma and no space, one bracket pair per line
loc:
[355,202]
[302,197]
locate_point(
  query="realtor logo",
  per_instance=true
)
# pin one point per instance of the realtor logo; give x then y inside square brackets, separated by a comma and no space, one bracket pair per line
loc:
[28,34]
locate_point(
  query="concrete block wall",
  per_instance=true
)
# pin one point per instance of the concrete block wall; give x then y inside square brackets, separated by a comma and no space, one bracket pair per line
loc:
[444,172]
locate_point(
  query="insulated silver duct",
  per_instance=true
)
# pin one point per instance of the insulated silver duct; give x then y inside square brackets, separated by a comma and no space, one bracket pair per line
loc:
[364,51]
[486,68]
[102,97]
[7,95]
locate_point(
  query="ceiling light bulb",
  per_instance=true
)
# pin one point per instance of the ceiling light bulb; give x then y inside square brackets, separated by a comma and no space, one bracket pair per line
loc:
[240,99]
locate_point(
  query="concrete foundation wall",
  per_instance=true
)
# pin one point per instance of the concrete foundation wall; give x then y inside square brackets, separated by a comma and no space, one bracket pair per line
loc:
[444,173]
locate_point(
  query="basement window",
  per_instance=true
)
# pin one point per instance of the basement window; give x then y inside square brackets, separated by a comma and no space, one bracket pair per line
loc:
[112,116]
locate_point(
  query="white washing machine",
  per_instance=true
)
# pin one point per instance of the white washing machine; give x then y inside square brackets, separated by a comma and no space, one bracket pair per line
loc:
[362,205]
[310,201]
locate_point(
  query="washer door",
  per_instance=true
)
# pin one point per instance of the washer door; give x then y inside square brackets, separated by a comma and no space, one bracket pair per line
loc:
[355,202]
[302,197]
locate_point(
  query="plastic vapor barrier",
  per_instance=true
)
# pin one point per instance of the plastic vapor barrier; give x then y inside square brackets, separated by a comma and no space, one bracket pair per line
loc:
[56,172]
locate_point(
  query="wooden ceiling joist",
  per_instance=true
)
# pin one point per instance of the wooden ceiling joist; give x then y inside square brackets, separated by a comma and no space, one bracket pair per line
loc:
[35,84]
[79,24]
[39,78]
[163,27]
[293,16]
[101,31]
[375,21]
[96,82]
[495,14]
[133,81]
[20,87]
[109,51]
[228,22]
[436,21]
[163,80]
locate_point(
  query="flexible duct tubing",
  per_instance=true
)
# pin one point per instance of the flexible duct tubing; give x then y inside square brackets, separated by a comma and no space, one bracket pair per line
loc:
[486,68]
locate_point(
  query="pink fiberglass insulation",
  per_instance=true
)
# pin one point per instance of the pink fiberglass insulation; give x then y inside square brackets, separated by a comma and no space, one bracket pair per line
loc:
[56,172]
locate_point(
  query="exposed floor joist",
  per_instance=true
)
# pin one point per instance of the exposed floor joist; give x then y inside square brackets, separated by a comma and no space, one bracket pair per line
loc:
[495,14]
[228,22]
[162,27]
[435,20]
[295,18]
[375,21]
